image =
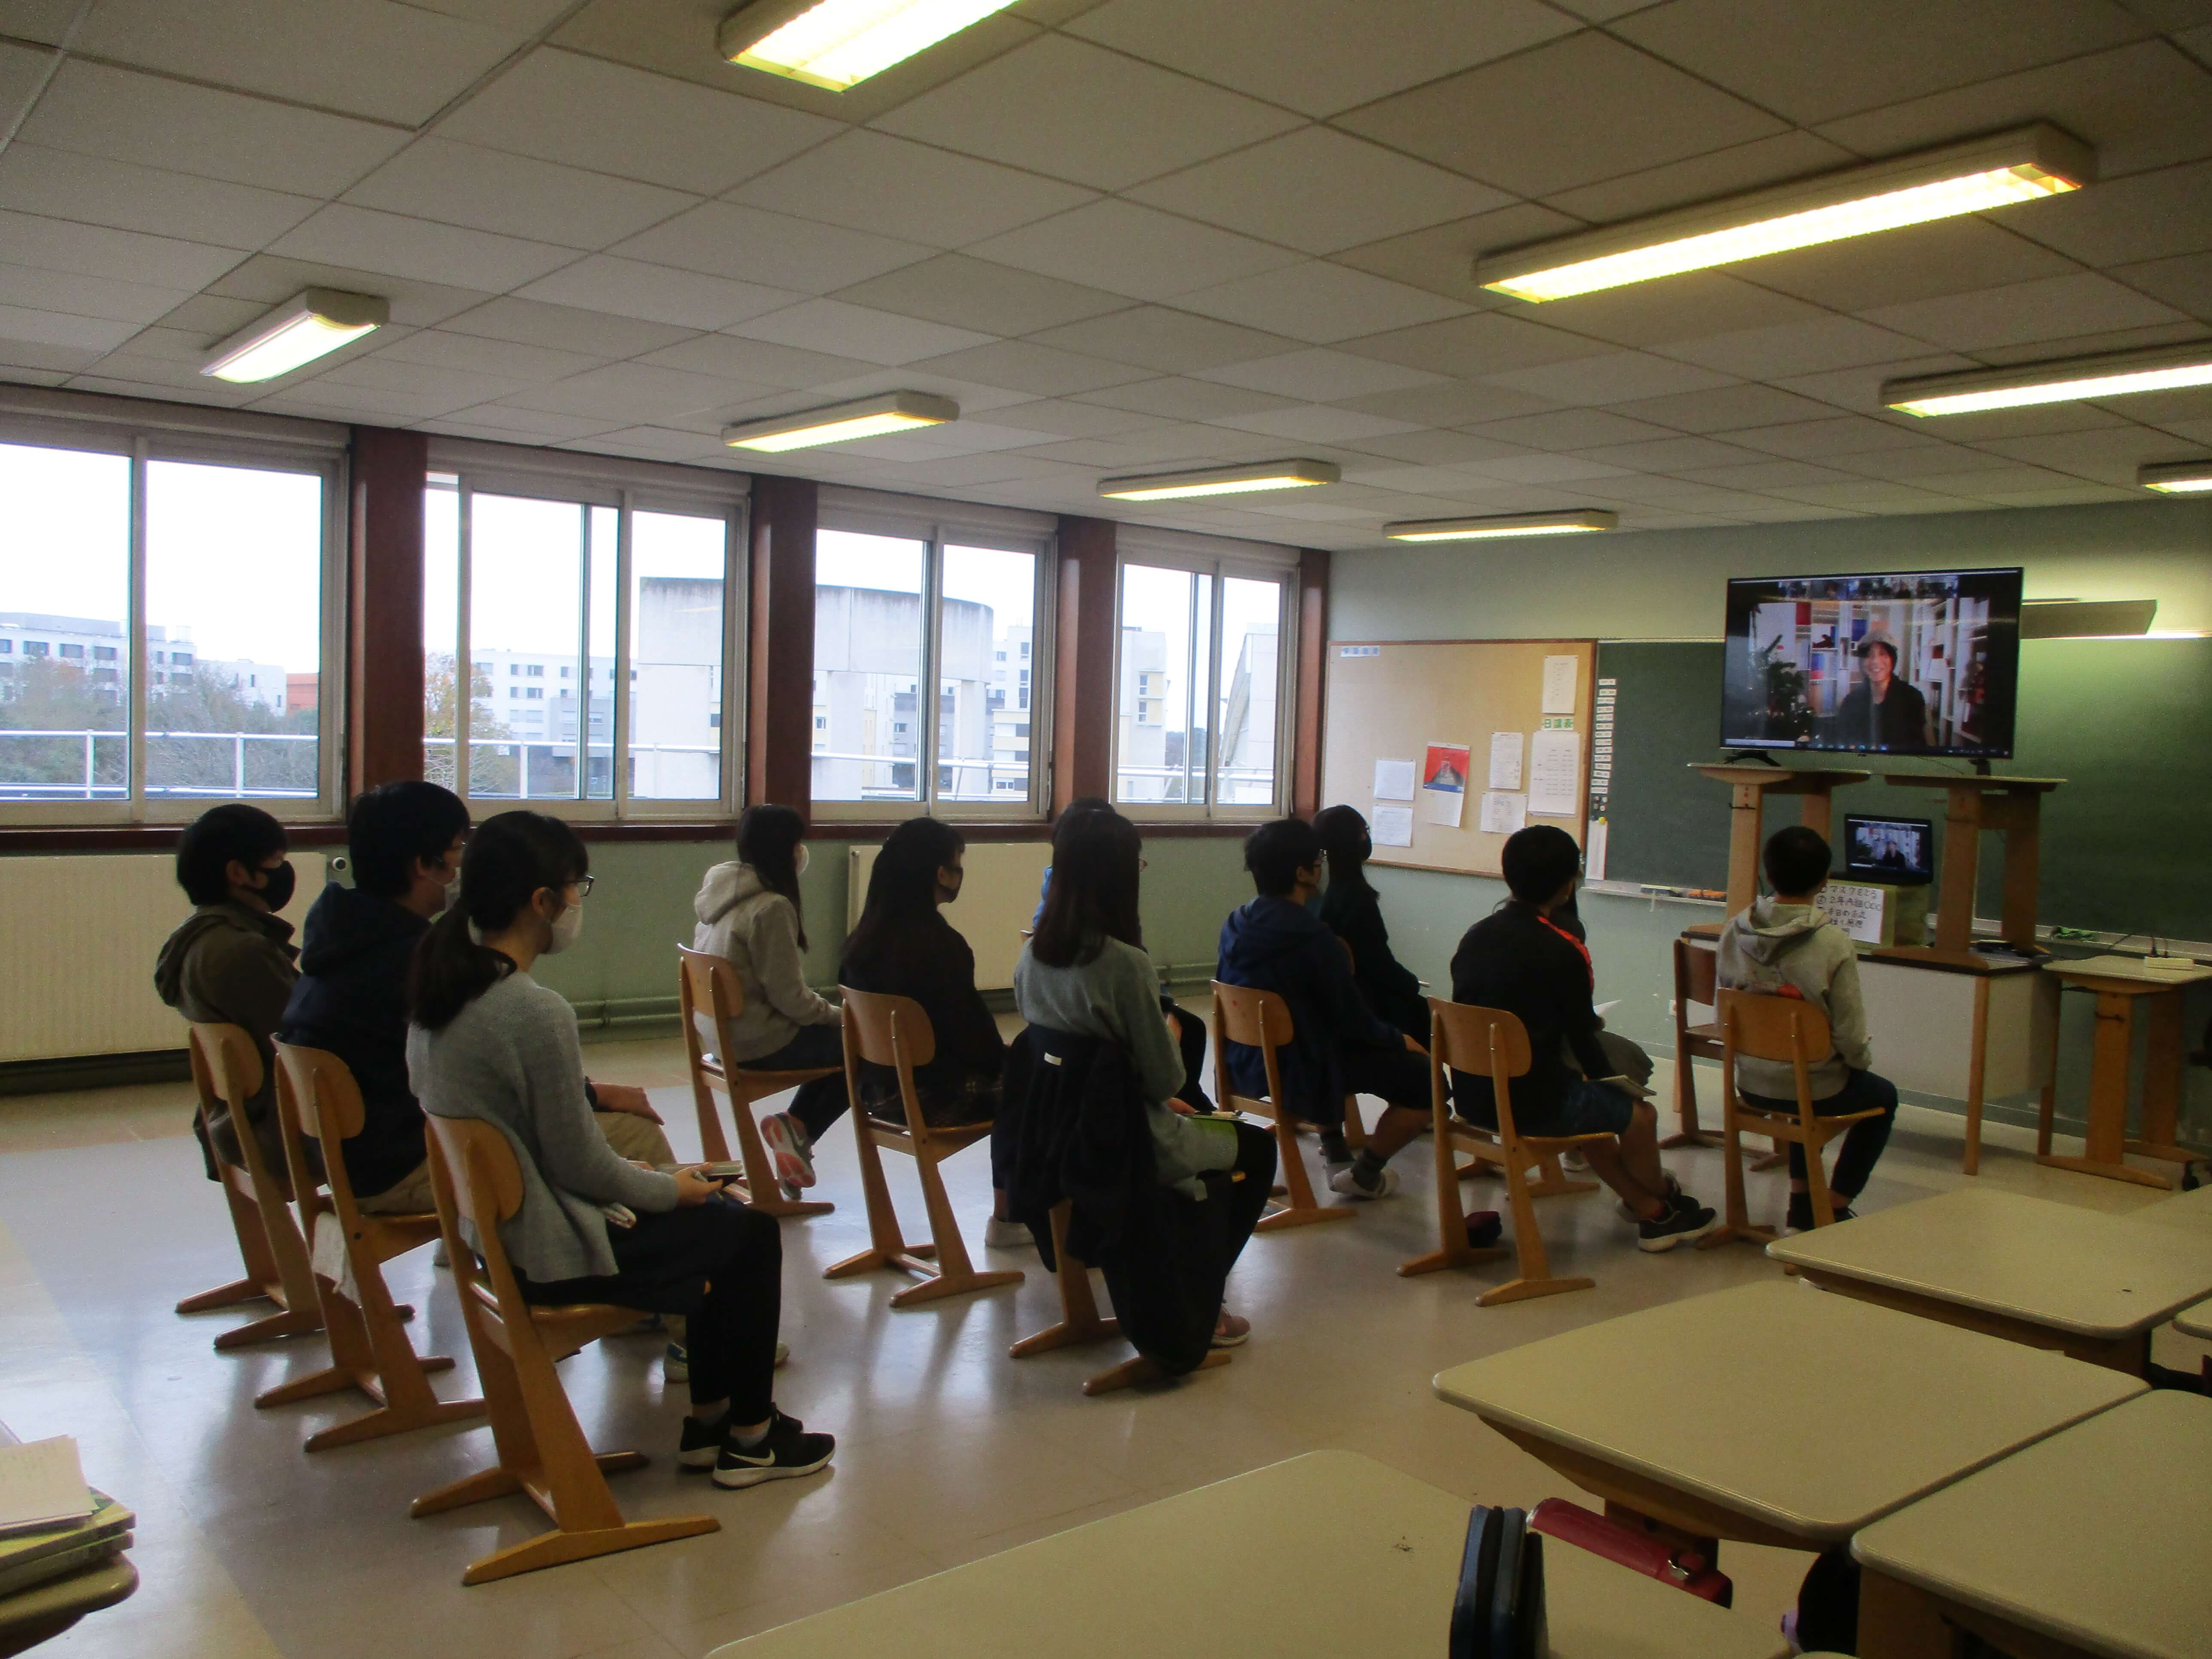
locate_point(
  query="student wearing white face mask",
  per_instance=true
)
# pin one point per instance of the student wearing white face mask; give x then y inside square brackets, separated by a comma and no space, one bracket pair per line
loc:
[489,1042]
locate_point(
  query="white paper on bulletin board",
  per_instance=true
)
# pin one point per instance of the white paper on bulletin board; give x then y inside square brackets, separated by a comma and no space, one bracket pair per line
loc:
[1394,780]
[1504,814]
[1506,760]
[1391,826]
[1555,774]
[1561,676]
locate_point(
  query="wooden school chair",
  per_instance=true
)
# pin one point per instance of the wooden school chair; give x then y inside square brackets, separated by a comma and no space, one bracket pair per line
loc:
[1778,1029]
[1080,1322]
[893,1031]
[369,1350]
[1493,1043]
[226,1072]
[1697,979]
[1261,1020]
[708,987]
[542,1449]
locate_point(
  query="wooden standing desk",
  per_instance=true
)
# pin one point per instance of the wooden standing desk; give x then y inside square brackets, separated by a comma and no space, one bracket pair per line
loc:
[2119,991]
[1232,1568]
[2093,1287]
[1749,788]
[2090,1542]
[2012,806]
[1833,1411]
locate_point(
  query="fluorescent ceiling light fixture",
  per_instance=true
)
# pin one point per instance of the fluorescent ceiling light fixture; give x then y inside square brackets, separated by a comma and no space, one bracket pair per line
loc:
[312,325]
[2110,375]
[2023,165]
[1220,481]
[838,44]
[1495,528]
[2177,478]
[868,417]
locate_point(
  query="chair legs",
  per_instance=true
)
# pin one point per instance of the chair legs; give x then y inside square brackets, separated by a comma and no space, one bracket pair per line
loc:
[762,1191]
[1132,1373]
[953,1274]
[1452,1249]
[275,1262]
[1535,1278]
[1080,1322]
[1686,1105]
[1736,1222]
[1299,1210]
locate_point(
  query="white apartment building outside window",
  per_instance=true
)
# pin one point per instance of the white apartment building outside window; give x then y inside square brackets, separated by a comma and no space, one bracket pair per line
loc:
[601,596]
[167,603]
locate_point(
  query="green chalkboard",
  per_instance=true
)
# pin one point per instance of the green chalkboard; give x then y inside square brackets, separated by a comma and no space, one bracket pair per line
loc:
[2127,723]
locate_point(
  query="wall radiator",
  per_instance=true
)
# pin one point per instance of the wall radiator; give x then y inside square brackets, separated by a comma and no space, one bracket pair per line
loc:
[77,976]
[998,897]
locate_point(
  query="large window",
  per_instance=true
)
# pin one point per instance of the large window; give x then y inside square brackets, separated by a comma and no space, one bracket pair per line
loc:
[164,626]
[1201,684]
[596,632]
[941,609]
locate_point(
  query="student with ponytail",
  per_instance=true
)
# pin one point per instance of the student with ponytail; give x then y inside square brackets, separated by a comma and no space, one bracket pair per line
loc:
[488,1042]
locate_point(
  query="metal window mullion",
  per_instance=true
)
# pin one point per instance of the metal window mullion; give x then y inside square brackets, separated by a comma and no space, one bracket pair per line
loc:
[619,710]
[736,660]
[1190,705]
[580,791]
[1213,696]
[333,715]
[933,623]
[134,720]
[464,666]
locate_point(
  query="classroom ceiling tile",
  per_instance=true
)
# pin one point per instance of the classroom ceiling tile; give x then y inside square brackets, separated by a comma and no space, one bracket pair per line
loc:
[1684,308]
[875,182]
[1427,449]
[657,294]
[445,389]
[506,425]
[390,243]
[1295,51]
[1573,428]
[1486,344]
[1754,166]
[1765,475]
[1318,190]
[270,280]
[586,113]
[1922,262]
[1449,403]
[1319,302]
[99,251]
[57,308]
[96,189]
[1074,110]
[1900,464]
[1620,377]
[1725,407]
[1175,397]
[444,349]
[2151,216]
[1320,376]
[2109,455]
[1814,63]
[722,239]
[851,331]
[635,392]
[1089,417]
[1873,496]
[383,62]
[1839,435]
[1571,113]
[514,194]
[1154,337]
[97,110]
[1041,372]
[1860,388]
[768,363]
[565,328]
[2024,313]
[1805,348]
[1134,250]
[1673,454]
[977,294]
[1546,469]
[2183,282]
[2184,331]
[1319,423]
[1442,258]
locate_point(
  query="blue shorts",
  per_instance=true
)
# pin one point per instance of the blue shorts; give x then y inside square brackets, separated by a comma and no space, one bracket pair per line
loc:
[1584,1109]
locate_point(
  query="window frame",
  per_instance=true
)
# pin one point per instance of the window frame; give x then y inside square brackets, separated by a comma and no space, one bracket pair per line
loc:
[938,525]
[209,438]
[1221,559]
[588,482]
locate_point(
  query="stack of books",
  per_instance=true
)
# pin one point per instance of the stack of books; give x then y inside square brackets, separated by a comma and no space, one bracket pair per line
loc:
[30,1558]
[51,1525]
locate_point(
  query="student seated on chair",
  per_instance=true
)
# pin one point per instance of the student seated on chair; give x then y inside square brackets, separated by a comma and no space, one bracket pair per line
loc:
[232,961]
[405,841]
[1338,1046]
[750,912]
[1353,911]
[1085,972]
[488,1042]
[1520,959]
[1624,1057]
[1785,946]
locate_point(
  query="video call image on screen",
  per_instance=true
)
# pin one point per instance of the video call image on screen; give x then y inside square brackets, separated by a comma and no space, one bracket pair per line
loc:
[1879,845]
[1905,662]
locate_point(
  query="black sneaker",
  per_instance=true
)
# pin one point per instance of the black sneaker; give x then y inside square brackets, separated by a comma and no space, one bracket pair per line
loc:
[1686,1218]
[787,1452]
[702,1444]
[1802,1218]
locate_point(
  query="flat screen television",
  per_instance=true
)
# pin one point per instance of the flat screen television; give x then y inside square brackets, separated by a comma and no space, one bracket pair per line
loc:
[1904,662]
[1898,851]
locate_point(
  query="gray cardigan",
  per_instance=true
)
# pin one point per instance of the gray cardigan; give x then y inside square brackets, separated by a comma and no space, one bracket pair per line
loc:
[513,1058]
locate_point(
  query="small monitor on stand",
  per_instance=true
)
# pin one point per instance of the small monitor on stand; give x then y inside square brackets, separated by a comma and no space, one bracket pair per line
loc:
[1900,852]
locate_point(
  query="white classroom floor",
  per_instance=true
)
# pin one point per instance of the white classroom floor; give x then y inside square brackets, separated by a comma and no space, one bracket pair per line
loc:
[947,1450]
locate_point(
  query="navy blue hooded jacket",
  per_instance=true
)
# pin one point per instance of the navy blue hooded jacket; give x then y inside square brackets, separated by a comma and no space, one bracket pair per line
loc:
[1273,944]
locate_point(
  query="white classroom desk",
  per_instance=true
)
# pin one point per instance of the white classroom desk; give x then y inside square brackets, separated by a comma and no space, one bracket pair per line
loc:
[2090,1542]
[1775,1414]
[1327,1556]
[2092,1285]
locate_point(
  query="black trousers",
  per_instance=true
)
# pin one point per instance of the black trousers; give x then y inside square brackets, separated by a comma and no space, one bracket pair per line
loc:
[721,1265]
[1192,1042]
[820,1103]
[1398,1076]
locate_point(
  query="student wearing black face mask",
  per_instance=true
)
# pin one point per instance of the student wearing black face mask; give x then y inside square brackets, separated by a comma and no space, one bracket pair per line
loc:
[231,962]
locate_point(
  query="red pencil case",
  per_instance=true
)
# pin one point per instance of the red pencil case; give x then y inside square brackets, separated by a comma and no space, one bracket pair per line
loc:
[1639,1551]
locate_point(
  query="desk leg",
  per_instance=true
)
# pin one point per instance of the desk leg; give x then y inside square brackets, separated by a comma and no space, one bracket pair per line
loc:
[2104,1151]
[1976,1069]
[1898,1621]
[2161,1112]
[2047,1112]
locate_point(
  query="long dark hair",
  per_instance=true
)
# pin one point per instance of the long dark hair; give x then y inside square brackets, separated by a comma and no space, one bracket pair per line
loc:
[768,843]
[902,887]
[1345,840]
[1095,859]
[508,860]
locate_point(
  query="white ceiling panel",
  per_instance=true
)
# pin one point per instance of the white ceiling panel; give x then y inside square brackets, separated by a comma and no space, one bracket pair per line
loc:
[515,426]
[1442,258]
[989,298]
[1572,113]
[1545,469]
[1153,337]
[33,326]
[1320,191]
[1572,428]
[1846,435]
[95,190]
[76,294]
[2024,313]
[1725,409]
[1074,110]
[1619,378]
[559,106]
[374,59]
[1173,397]
[2183,282]
[1791,349]
[1088,418]
[267,280]
[1320,376]
[857,331]
[720,239]
[1041,372]
[392,243]
[658,294]
[652,443]
[448,389]
[2108,456]
[873,181]
[1128,249]
[443,349]
[2151,216]
[786,368]
[96,110]
[1482,345]
[637,392]
[1860,388]
[1672,455]
[1451,404]
[566,328]
[1761,162]
[1320,303]
[99,251]
[514,194]
[1317,423]
[1925,262]
[1684,308]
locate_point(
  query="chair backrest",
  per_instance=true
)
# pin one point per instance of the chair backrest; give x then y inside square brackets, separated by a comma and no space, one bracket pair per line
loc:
[318,1100]
[474,1175]
[1259,1019]
[227,1073]
[1774,1028]
[1697,977]
[708,996]
[884,1029]
[1490,1042]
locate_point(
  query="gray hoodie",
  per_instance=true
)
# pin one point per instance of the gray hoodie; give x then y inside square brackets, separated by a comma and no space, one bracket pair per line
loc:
[757,931]
[1774,944]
